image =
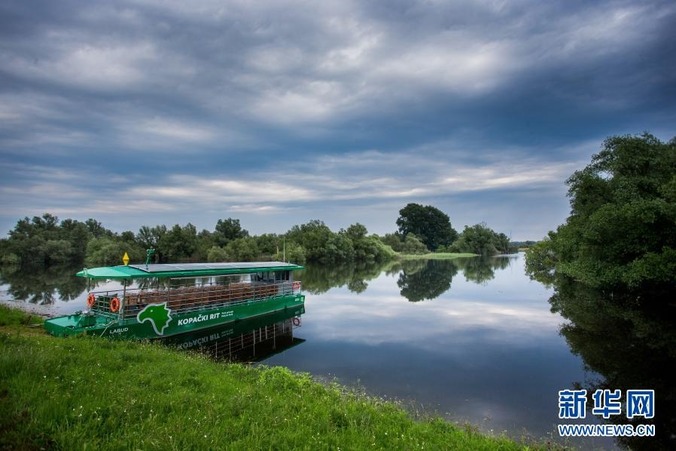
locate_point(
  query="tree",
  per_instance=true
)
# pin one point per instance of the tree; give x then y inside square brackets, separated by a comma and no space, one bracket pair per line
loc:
[43,241]
[410,244]
[621,233]
[270,245]
[150,237]
[217,254]
[205,241]
[106,250]
[428,223]
[356,232]
[242,249]
[313,237]
[96,229]
[481,239]
[228,230]
[179,243]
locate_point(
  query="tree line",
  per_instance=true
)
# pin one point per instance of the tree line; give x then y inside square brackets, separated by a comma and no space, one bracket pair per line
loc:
[46,241]
[612,265]
[620,237]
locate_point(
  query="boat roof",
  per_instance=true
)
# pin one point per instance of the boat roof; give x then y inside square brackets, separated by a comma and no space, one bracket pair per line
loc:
[170,270]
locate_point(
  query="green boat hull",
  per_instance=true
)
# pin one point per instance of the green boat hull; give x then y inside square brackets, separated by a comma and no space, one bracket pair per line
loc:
[159,321]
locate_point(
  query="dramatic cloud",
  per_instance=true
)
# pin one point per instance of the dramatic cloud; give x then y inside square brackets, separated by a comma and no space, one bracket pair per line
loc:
[143,112]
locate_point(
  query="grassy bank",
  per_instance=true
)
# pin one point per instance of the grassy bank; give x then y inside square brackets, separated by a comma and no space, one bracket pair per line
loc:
[434,256]
[77,393]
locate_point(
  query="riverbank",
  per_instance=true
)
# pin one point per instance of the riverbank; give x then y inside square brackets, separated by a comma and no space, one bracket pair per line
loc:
[75,393]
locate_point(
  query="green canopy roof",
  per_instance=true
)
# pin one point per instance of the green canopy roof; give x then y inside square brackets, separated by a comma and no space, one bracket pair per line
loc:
[183,270]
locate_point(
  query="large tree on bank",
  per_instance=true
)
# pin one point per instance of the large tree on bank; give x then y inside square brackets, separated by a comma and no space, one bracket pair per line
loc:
[431,225]
[621,233]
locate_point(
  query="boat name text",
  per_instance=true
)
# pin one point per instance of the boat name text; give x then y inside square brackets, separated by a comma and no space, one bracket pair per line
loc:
[119,330]
[204,317]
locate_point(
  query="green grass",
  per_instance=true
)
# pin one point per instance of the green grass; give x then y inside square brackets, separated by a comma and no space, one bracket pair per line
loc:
[89,393]
[435,256]
[15,317]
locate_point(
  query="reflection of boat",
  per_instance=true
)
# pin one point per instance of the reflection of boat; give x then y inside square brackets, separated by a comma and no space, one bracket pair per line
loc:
[197,296]
[250,340]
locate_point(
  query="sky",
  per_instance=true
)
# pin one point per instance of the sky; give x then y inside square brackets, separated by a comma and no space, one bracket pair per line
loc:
[149,112]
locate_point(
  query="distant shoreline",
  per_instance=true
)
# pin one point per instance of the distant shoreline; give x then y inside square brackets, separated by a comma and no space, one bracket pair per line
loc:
[435,256]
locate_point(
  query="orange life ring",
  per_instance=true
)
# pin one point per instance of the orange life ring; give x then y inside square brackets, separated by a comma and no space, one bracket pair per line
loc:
[114,304]
[296,321]
[91,299]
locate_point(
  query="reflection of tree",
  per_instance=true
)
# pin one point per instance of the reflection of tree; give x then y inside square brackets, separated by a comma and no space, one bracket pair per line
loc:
[630,346]
[44,287]
[428,281]
[481,269]
[319,279]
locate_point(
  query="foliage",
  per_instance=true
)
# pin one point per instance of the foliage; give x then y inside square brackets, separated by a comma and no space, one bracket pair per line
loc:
[409,244]
[179,243]
[522,244]
[482,240]
[313,237]
[270,246]
[320,244]
[150,237]
[228,230]
[105,250]
[242,249]
[371,249]
[430,224]
[44,241]
[205,241]
[621,233]
[541,261]
[217,254]
[295,253]
[613,268]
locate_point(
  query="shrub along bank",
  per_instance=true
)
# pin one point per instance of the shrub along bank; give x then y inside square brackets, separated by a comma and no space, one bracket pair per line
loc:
[77,393]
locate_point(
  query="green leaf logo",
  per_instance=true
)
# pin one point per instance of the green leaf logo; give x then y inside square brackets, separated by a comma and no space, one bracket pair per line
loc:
[159,316]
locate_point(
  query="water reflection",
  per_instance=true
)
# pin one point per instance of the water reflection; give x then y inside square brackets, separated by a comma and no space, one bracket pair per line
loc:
[421,280]
[426,281]
[418,279]
[244,341]
[631,347]
[482,269]
[318,279]
[42,287]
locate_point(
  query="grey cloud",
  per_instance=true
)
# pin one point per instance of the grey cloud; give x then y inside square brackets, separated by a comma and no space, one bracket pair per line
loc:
[362,104]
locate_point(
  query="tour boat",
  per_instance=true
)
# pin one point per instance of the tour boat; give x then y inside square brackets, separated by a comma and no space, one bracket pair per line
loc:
[162,300]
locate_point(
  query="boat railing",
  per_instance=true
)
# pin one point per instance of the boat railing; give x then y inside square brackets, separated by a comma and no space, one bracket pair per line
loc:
[187,299]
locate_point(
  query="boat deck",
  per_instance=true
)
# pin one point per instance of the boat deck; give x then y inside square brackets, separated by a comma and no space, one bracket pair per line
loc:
[187,299]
